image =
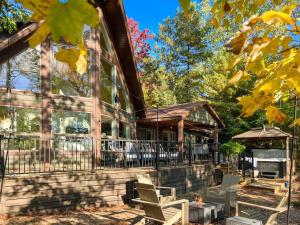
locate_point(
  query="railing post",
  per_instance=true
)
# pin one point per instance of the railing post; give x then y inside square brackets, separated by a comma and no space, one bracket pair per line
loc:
[157,155]
[252,160]
[243,166]
[94,143]
[190,153]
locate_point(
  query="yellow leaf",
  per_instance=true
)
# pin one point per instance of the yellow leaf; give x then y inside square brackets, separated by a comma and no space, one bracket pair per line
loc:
[271,86]
[235,78]
[67,20]
[273,17]
[253,20]
[245,76]
[294,80]
[289,8]
[215,23]
[236,43]
[75,58]
[273,114]
[235,60]
[295,123]
[256,67]
[185,4]
[249,105]
[39,35]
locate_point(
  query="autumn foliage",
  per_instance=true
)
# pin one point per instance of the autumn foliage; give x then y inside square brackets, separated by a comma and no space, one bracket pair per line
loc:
[139,39]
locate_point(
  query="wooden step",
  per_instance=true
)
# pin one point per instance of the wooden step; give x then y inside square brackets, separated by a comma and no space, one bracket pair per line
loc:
[264,186]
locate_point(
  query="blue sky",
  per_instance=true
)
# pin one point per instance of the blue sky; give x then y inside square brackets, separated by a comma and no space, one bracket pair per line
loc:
[149,13]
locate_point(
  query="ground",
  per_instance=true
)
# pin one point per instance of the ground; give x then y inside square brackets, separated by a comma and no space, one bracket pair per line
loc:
[123,215]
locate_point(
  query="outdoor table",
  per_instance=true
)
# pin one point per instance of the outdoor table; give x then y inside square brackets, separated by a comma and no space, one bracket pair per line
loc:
[205,212]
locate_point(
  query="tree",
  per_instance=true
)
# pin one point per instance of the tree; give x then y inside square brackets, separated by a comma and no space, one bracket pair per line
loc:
[268,48]
[155,82]
[139,40]
[10,14]
[231,148]
[179,46]
[180,42]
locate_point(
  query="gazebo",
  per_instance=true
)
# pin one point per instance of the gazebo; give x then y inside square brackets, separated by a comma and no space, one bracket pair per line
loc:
[272,159]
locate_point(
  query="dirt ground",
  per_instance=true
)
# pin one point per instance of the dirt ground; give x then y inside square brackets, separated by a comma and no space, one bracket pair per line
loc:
[124,215]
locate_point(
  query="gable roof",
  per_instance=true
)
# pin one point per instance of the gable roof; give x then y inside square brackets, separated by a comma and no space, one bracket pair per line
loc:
[263,133]
[182,111]
[114,12]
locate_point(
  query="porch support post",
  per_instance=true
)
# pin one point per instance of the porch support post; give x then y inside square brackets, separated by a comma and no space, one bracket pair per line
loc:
[287,152]
[216,149]
[46,101]
[180,138]
[95,81]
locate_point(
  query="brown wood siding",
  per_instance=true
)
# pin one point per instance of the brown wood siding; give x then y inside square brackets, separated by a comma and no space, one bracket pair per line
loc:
[43,193]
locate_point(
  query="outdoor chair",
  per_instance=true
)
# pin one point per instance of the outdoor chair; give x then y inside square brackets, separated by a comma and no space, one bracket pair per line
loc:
[163,213]
[224,193]
[171,196]
[148,153]
[257,214]
[167,156]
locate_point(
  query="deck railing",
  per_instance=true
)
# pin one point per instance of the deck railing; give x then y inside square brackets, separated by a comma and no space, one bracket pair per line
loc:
[22,155]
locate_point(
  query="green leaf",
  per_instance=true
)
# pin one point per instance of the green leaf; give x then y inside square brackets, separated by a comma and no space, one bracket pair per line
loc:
[185,4]
[74,15]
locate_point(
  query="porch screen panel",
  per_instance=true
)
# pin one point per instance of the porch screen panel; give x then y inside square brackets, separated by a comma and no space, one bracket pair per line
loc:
[106,82]
[66,82]
[22,72]
[71,123]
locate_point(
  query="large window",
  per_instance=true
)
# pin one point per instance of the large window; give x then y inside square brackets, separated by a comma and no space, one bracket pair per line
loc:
[19,120]
[66,82]
[104,40]
[124,130]
[71,123]
[106,82]
[107,127]
[22,72]
[123,96]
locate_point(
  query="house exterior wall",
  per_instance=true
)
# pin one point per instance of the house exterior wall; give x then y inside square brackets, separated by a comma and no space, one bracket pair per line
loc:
[44,87]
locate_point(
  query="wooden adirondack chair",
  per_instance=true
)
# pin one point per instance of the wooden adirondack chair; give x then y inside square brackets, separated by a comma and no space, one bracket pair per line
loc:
[171,196]
[253,212]
[224,193]
[158,212]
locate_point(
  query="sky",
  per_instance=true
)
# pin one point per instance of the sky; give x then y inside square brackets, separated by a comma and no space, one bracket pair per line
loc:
[149,13]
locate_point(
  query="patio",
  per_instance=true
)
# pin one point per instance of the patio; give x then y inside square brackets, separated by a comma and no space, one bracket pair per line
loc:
[124,215]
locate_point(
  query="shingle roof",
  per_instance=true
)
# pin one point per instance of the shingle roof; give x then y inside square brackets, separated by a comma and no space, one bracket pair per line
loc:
[182,111]
[263,133]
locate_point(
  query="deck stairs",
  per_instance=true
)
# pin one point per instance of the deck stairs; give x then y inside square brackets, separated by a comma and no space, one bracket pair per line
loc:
[268,185]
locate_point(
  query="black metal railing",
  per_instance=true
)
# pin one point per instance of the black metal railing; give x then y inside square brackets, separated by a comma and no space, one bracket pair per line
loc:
[21,155]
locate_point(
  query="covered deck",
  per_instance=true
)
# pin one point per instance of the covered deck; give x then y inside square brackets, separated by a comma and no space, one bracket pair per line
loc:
[196,123]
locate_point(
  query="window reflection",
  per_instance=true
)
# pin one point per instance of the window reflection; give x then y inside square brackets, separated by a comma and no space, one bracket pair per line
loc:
[106,82]
[71,123]
[124,130]
[19,120]
[22,72]
[66,82]
[106,127]
[123,96]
